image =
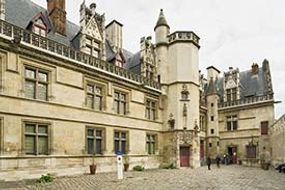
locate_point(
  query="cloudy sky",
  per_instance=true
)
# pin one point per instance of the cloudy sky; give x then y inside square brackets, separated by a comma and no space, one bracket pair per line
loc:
[233,33]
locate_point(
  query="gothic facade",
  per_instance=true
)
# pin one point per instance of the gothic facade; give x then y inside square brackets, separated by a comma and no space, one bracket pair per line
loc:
[70,93]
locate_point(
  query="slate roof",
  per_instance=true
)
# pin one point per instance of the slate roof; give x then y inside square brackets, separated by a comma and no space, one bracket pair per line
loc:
[250,85]
[26,10]
[161,20]
[134,63]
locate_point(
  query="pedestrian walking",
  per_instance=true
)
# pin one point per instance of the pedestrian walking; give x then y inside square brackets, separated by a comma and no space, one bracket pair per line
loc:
[218,160]
[209,163]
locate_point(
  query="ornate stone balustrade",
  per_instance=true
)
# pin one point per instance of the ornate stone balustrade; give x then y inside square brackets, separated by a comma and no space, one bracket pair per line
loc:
[184,36]
[248,100]
[19,35]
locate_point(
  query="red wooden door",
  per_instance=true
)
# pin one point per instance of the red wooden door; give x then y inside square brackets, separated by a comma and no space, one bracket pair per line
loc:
[184,156]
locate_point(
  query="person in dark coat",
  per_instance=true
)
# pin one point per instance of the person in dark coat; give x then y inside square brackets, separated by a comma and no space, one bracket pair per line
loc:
[209,163]
[218,160]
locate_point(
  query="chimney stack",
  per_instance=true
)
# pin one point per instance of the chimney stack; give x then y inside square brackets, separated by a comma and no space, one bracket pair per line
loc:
[57,14]
[114,34]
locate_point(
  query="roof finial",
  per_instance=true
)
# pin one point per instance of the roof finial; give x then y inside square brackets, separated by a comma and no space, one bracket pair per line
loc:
[161,20]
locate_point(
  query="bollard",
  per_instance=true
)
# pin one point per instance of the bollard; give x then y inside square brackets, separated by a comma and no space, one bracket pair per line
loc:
[119,165]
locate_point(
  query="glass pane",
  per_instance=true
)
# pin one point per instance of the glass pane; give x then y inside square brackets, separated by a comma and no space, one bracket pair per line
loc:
[116,146]
[234,125]
[98,90]
[116,106]
[116,95]
[117,135]
[98,146]
[30,128]
[151,115]
[123,147]
[43,145]
[95,53]
[123,135]
[147,112]
[123,97]
[42,91]
[30,89]
[90,146]
[122,108]
[30,144]
[98,133]
[153,148]
[229,126]
[29,73]
[90,132]
[90,101]
[153,104]
[98,103]
[90,88]
[148,103]
[43,76]
[149,148]
[43,129]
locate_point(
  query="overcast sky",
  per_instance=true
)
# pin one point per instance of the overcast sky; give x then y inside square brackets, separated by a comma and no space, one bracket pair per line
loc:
[233,33]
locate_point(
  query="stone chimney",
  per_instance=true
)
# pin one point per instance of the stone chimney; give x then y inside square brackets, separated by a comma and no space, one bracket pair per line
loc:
[213,73]
[57,15]
[2,9]
[114,34]
[254,68]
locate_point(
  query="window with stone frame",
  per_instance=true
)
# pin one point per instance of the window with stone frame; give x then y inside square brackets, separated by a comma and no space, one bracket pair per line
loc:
[93,47]
[231,94]
[36,138]
[94,140]
[150,111]
[202,123]
[36,83]
[232,122]
[120,102]
[94,96]
[120,142]
[151,143]
[250,151]
[264,127]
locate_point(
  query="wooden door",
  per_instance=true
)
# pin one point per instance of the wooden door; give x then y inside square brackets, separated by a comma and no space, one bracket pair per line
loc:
[184,156]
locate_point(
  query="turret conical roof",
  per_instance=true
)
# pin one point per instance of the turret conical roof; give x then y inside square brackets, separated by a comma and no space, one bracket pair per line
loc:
[161,20]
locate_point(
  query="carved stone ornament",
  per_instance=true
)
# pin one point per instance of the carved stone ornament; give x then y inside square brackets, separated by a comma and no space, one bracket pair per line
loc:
[184,92]
[184,110]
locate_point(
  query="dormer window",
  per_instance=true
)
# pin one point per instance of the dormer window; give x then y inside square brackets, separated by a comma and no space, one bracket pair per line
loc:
[231,94]
[40,28]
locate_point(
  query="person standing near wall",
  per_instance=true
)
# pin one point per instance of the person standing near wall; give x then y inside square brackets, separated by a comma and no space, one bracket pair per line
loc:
[209,162]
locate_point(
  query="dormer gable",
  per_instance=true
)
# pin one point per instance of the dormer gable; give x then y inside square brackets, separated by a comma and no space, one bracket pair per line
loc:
[39,25]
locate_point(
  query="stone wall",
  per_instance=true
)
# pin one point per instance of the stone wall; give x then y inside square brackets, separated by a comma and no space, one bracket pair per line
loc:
[277,141]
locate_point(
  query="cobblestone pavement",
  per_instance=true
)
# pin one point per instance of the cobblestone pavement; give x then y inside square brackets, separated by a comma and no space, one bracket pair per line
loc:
[225,178]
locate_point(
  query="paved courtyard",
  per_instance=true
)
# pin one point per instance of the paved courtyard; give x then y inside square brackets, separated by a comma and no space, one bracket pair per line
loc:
[225,178]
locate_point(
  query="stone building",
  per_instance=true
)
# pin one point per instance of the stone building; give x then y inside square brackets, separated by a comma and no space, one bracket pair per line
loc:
[277,141]
[69,92]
